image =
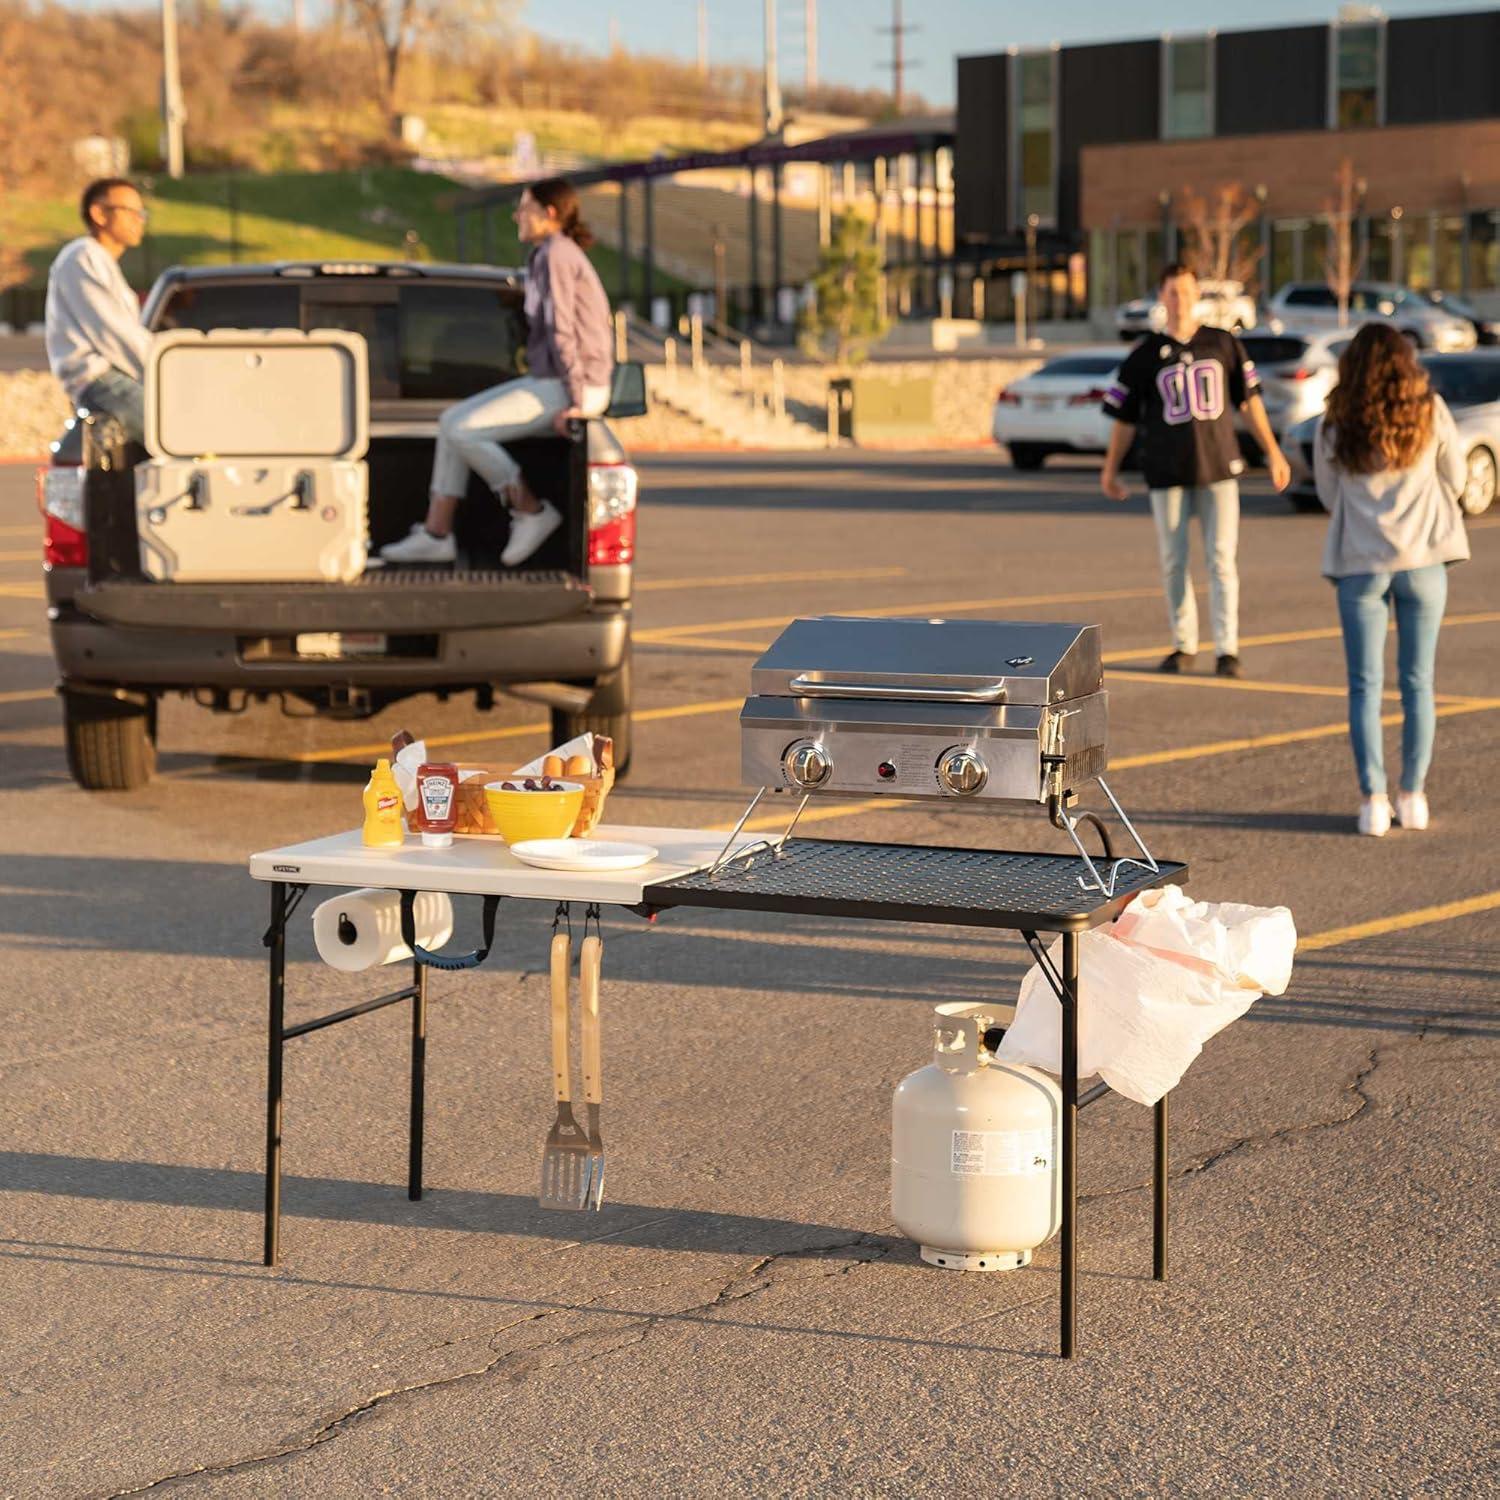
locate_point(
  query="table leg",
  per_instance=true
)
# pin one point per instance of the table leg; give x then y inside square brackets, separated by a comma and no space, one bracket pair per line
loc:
[275,1048]
[1069,1001]
[1159,1227]
[418,1080]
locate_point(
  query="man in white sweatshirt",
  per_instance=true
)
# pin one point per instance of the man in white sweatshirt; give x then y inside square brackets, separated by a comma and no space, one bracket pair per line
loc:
[95,342]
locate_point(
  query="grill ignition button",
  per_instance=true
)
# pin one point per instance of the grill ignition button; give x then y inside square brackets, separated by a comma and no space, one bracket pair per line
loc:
[886,771]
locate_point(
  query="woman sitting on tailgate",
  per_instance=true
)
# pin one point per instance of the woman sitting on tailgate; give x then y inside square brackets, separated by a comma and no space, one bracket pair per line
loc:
[569,360]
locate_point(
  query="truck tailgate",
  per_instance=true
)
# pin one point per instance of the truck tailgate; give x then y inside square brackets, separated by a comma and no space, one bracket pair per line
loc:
[405,601]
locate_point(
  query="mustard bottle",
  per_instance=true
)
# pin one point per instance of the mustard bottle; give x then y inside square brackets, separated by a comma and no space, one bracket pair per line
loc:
[383,827]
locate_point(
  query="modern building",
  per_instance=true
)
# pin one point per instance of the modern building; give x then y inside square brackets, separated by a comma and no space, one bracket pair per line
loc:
[1092,162]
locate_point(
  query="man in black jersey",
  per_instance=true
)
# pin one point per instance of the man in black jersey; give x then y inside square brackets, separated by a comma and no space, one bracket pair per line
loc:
[1182,387]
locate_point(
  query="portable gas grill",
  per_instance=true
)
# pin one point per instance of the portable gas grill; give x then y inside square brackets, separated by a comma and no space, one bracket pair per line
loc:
[971,713]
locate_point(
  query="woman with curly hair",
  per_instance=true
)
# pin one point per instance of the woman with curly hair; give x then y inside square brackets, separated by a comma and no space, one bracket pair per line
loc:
[1390,469]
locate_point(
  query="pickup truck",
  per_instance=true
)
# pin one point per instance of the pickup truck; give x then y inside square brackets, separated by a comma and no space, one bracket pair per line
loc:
[556,631]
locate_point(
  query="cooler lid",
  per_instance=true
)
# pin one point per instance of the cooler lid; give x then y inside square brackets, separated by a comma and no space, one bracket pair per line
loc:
[257,393]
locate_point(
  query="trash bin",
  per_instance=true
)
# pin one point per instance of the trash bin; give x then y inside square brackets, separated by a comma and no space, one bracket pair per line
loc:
[877,408]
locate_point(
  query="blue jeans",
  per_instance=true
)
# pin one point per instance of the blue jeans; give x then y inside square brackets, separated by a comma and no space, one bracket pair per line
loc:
[121,397]
[1217,507]
[1365,601]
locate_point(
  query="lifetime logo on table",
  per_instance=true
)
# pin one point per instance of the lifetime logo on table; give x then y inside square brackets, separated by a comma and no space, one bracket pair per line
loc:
[286,869]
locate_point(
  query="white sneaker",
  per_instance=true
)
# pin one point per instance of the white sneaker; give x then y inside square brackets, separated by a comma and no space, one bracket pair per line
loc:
[1375,816]
[528,530]
[1411,809]
[420,546]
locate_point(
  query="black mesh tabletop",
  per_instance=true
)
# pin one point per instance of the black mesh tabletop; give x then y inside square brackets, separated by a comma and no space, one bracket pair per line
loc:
[915,883]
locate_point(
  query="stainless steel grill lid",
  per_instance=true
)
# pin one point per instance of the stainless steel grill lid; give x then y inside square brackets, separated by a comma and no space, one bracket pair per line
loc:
[977,710]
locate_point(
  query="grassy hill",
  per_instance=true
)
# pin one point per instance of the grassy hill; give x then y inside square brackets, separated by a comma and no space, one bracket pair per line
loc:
[221,218]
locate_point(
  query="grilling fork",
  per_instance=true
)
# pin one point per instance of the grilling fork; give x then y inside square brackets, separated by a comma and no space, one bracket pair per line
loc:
[565,1158]
[590,962]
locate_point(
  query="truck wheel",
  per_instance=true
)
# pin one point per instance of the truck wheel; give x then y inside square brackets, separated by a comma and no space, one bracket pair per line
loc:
[1027,455]
[111,742]
[609,714]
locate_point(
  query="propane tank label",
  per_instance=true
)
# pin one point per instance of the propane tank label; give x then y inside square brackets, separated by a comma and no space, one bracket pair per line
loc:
[1002,1153]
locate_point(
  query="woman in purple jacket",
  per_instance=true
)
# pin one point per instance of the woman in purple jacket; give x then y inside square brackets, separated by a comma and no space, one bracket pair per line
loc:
[569,364]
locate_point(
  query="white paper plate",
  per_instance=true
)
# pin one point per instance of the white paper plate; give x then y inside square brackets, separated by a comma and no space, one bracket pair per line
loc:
[582,854]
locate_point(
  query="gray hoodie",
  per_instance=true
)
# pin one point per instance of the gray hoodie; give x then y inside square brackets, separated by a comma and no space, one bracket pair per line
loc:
[93,318]
[1394,519]
[568,312]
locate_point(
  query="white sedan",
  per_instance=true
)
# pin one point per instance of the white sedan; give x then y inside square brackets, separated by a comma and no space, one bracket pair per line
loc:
[1057,409]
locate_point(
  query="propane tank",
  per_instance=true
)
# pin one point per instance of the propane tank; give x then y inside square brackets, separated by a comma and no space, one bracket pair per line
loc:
[975,1151]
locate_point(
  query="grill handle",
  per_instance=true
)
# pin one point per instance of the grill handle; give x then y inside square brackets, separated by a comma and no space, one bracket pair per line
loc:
[992,692]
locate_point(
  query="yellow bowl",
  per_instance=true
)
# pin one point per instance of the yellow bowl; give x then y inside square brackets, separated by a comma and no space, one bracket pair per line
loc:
[534,815]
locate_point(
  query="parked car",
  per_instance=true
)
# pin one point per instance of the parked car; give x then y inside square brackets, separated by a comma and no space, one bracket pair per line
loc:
[1297,371]
[556,632]
[1221,304]
[1486,330]
[1303,305]
[1470,384]
[1057,409]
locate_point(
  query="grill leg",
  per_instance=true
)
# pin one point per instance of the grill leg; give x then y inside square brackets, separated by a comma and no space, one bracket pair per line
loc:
[1069,1309]
[418,1081]
[275,1048]
[1159,1226]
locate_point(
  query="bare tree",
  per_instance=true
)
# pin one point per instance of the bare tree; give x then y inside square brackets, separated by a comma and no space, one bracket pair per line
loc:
[1213,226]
[1341,266]
[393,28]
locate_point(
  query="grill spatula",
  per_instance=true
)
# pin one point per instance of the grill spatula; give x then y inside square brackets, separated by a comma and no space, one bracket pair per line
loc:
[565,1159]
[590,962]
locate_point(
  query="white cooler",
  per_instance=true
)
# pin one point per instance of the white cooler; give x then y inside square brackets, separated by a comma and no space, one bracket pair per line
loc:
[257,441]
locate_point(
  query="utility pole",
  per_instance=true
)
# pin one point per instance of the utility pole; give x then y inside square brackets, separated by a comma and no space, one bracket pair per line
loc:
[702,38]
[810,46]
[172,112]
[897,30]
[773,115]
[298,16]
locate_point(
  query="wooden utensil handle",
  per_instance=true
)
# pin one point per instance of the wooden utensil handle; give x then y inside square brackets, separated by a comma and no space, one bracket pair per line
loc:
[590,962]
[561,954]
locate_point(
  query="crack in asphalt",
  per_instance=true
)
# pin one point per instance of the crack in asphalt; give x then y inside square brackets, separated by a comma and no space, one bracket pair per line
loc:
[748,1282]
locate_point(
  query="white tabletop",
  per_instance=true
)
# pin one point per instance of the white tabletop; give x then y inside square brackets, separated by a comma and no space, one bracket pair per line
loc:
[486,867]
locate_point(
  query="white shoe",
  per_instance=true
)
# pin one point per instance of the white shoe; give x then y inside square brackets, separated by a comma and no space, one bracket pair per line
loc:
[420,546]
[1411,809]
[528,530]
[1375,816]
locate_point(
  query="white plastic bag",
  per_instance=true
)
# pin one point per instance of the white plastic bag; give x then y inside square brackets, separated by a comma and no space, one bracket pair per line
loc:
[1153,987]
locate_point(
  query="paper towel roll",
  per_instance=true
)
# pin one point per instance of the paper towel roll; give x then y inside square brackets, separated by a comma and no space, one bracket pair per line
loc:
[362,929]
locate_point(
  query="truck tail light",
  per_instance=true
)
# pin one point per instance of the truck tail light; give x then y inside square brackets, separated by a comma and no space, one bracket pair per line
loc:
[612,496]
[59,497]
[1088,398]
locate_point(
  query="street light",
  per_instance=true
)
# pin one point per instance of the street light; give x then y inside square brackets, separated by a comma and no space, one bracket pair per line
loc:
[1023,301]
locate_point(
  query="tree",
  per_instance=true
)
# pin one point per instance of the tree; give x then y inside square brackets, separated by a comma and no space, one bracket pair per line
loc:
[392,28]
[845,311]
[1213,228]
[1341,266]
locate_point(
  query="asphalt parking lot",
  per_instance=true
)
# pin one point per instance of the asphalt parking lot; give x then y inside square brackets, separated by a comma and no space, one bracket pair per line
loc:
[742,1317]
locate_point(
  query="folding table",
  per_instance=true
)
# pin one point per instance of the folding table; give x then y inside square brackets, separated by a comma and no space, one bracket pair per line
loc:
[1029,893]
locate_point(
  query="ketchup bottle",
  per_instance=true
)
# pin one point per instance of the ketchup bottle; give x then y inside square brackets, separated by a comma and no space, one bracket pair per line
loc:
[437,803]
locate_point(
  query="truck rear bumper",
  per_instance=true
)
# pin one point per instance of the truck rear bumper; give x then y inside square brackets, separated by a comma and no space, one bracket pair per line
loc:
[581,648]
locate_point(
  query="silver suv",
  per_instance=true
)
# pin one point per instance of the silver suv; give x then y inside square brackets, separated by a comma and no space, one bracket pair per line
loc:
[1312,304]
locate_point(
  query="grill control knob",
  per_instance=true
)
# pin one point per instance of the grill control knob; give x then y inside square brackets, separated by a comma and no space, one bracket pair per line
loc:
[961,772]
[807,765]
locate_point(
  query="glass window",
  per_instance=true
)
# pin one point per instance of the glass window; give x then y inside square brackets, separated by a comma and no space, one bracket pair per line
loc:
[1357,90]
[457,340]
[1484,252]
[1034,137]
[1187,88]
[1267,350]
[1465,382]
[1283,266]
[1310,296]
[1448,254]
[252,305]
[1082,364]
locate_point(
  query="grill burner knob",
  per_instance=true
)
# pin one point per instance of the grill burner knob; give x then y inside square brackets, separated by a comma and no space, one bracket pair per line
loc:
[807,765]
[961,772]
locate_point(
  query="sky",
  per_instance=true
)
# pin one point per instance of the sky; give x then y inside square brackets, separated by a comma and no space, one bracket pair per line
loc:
[852,51]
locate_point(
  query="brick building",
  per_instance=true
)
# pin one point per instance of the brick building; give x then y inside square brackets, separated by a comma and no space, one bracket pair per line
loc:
[1087,159]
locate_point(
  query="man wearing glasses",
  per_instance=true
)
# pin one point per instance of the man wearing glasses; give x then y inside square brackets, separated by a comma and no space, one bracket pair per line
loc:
[95,342]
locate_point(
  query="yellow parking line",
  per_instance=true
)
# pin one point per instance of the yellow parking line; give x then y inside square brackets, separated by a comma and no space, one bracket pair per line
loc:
[937,607]
[1289,637]
[1401,922]
[27,697]
[1244,685]
[26,554]
[11,635]
[20,591]
[701,643]
[33,530]
[734,580]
